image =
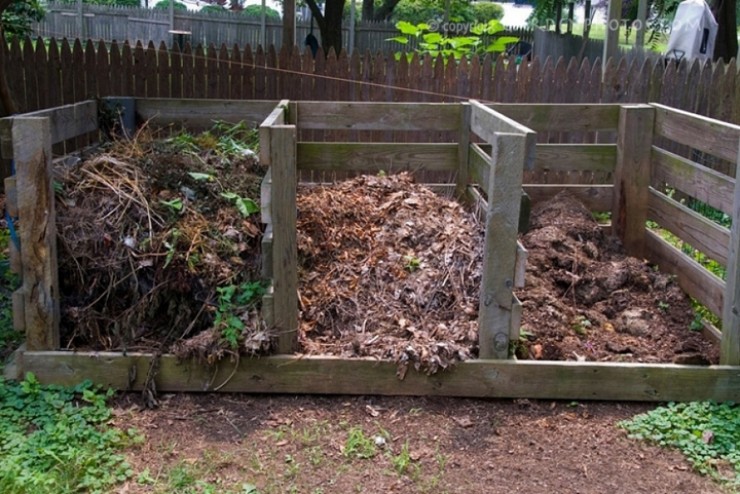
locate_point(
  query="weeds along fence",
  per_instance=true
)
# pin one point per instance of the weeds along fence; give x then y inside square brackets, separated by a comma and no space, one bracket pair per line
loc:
[488,152]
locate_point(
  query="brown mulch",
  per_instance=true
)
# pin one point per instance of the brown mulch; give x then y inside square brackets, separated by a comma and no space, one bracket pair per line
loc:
[388,269]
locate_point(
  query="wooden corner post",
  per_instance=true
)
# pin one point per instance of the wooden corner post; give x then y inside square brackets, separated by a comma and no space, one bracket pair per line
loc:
[500,245]
[632,177]
[31,147]
[730,346]
[283,148]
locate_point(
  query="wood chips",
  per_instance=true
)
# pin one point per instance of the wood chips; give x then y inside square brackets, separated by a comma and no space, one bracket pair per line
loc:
[388,269]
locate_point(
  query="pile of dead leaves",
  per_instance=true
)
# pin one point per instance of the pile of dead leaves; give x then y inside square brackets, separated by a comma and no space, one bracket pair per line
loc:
[151,232]
[388,269]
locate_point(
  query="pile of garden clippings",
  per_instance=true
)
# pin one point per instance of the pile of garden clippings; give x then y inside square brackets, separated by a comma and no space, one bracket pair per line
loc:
[159,246]
[388,269]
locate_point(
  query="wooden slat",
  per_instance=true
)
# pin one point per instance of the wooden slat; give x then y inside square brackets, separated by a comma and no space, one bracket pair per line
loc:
[499,254]
[32,155]
[284,245]
[65,122]
[594,197]
[276,116]
[377,156]
[706,185]
[562,117]
[705,134]
[692,277]
[632,177]
[463,150]
[600,158]
[486,122]
[201,113]
[331,375]
[701,233]
[378,116]
[730,349]
[480,166]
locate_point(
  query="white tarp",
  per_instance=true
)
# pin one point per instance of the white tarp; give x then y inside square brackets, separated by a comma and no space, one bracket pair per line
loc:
[693,32]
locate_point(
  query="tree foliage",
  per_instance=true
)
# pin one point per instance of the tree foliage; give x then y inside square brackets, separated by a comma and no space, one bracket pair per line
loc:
[256,11]
[165,4]
[418,11]
[485,11]
[17,18]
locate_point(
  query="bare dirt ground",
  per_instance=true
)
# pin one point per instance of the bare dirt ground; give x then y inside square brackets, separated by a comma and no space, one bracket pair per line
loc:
[281,444]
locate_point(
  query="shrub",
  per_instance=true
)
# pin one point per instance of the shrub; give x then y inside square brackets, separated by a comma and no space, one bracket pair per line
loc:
[165,4]
[485,11]
[256,11]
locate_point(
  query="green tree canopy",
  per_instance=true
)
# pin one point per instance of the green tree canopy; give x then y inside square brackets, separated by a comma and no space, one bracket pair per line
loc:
[165,4]
[485,11]
[256,11]
[17,18]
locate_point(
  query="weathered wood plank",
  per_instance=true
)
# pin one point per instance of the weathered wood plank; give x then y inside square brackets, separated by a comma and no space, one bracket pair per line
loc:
[692,277]
[594,197]
[698,181]
[600,158]
[276,116]
[632,177]
[486,122]
[730,348]
[562,117]
[65,122]
[500,243]
[705,134]
[462,179]
[331,375]
[11,208]
[480,166]
[284,244]
[32,155]
[376,156]
[378,116]
[201,113]
[691,227]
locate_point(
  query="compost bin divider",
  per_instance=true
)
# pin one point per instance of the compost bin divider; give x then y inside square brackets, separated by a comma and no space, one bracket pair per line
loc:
[35,195]
[278,148]
[730,346]
[632,177]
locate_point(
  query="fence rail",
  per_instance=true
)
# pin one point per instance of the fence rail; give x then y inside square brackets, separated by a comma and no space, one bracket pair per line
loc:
[68,72]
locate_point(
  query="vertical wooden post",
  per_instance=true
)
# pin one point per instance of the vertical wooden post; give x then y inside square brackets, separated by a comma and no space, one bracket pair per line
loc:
[463,149]
[500,244]
[730,346]
[611,40]
[37,231]
[632,177]
[283,148]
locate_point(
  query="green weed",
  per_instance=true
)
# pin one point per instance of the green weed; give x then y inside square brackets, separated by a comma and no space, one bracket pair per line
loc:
[402,461]
[233,299]
[707,433]
[55,440]
[358,445]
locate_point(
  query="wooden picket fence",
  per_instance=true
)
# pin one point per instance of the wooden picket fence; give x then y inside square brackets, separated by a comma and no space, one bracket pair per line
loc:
[64,72]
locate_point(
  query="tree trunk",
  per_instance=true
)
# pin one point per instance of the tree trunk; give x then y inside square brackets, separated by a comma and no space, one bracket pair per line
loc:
[382,13]
[725,46]
[330,23]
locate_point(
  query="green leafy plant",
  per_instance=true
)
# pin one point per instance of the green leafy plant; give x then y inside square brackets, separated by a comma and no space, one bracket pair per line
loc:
[232,300]
[56,440]
[707,433]
[244,205]
[482,38]
[411,263]
[358,445]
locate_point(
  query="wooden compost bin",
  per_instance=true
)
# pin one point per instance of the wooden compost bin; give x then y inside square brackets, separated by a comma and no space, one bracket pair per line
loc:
[494,149]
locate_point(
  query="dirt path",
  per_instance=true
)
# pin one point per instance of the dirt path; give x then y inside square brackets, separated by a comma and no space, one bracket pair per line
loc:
[412,445]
